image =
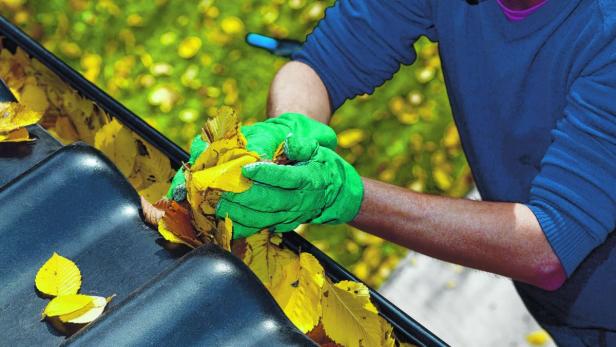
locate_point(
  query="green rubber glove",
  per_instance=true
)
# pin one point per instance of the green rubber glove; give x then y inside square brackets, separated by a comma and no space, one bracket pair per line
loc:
[262,138]
[265,137]
[320,188]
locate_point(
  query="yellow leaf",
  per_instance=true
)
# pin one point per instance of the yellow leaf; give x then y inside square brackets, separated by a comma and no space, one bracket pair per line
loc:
[295,282]
[299,293]
[451,138]
[118,144]
[87,313]
[221,151]
[151,166]
[35,97]
[168,235]
[349,318]
[226,176]
[154,191]
[224,125]
[235,153]
[189,47]
[350,137]
[538,337]
[387,334]
[66,304]
[203,225]
[176,220]
[442,179]
[65,130]
[210,200]
[267,260]
[19,135]
[232,25]
[279,152]
[58,276]
[86,118]
[14,116]
[224,233]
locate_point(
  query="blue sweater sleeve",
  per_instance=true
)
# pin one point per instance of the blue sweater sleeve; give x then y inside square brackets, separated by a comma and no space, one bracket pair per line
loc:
[361,43]
[574,194]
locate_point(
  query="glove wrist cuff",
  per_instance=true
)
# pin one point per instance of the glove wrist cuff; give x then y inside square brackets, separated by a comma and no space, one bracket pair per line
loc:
[347,202]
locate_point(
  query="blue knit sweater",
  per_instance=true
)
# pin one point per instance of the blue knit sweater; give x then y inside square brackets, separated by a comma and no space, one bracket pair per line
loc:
[535,105]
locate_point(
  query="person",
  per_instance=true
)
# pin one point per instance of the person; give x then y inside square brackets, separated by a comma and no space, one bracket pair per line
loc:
[532,87]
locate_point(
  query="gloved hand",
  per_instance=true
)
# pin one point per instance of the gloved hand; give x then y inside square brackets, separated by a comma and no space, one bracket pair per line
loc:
[320,188]
[265,137]
[262,138]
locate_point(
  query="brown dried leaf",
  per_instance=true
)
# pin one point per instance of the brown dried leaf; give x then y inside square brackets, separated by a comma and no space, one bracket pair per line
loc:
[177,220]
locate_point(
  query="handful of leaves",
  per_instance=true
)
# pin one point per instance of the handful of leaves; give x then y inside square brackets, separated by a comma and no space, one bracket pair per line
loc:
[330,313]
[218,169]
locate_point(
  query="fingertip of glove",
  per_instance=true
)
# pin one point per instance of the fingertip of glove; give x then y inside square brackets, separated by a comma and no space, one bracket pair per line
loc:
[299,149]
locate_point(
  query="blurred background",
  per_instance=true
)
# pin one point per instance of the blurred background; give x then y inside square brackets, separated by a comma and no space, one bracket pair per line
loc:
[174,61]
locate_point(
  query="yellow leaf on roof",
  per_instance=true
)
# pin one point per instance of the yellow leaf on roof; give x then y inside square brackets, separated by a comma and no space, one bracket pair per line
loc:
[266,259]
[58,276]
[349,318]
[118,144]
[299,292]
[14,116]
[87,313]
[226,176]
[295,282]
[66,304]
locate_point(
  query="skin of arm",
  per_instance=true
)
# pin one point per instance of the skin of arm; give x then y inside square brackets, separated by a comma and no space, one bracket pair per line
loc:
[498,237]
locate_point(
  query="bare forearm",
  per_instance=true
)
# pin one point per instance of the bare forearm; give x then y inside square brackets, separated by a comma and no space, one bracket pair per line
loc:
[503,238]
[298,88]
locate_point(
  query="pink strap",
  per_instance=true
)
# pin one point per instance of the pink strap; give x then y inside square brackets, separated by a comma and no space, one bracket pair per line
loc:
[517,15]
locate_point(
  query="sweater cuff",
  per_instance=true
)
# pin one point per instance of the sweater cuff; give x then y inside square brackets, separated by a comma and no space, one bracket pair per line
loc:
[568,240]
